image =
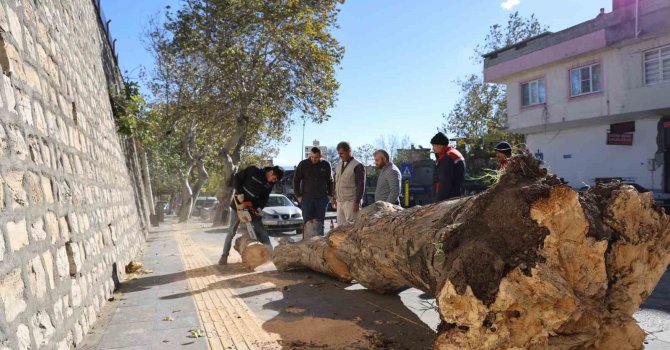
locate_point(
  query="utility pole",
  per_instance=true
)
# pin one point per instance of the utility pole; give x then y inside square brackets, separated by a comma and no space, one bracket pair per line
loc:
[302,146]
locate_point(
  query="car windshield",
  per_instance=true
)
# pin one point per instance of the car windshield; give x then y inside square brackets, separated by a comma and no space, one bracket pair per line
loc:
[205,203]
[279,201]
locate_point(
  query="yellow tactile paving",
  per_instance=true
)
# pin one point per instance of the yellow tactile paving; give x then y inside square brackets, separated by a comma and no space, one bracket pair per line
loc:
[227,321]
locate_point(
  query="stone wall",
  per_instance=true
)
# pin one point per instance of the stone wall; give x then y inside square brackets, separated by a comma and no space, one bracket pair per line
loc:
[69,192]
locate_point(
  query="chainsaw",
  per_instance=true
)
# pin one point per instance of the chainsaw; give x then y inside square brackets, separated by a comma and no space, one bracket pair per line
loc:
[245,216]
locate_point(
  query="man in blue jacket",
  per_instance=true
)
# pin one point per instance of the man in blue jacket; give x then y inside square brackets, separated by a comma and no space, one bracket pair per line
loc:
[449,172]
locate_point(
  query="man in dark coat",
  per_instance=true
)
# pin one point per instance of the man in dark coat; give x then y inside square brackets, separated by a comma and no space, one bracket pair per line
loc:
[313,186]
[252,185]
[449,172]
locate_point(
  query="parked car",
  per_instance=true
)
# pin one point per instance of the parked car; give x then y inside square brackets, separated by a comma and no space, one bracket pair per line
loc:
[203,203]
[282,215]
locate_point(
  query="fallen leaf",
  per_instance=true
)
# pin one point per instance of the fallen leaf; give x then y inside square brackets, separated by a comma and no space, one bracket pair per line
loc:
[196,333]
[168,318]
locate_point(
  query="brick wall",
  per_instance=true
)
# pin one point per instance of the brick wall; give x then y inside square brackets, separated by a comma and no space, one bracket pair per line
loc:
[70,198]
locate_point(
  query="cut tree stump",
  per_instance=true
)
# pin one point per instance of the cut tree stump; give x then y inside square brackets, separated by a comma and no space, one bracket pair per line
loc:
[253,253]
[528,264]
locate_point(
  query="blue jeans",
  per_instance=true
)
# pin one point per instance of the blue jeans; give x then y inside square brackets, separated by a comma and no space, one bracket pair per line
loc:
[315,208]
[257,223]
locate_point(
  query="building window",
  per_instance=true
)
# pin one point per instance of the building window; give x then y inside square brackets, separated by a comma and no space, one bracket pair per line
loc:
[533,92]
[585,80]
[657,65]
[621,134]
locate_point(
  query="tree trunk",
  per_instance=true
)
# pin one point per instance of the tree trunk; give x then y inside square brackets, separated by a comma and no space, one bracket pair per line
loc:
[528,264]
[314,253]
[229,168]
[203,176]
[253,253]
[186,200]
[147,181]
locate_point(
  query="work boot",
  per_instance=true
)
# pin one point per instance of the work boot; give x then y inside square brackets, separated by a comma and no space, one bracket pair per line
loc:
[223,260]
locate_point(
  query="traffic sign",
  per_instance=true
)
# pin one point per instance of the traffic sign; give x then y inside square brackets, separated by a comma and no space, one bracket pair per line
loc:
[407,170]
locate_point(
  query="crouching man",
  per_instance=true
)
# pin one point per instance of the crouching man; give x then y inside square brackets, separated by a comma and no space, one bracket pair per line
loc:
[253,186]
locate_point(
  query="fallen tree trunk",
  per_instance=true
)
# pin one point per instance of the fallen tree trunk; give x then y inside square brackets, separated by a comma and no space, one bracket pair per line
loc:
[253,252]
[313,253]
[528,264]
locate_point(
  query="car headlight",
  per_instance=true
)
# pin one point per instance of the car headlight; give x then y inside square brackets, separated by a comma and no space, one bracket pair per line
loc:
[267,216]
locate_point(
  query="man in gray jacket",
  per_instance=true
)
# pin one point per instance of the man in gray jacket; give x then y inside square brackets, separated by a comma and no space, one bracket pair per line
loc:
[388,181]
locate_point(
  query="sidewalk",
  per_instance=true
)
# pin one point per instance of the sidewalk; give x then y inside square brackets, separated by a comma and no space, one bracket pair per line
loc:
[230,307]
[239,309]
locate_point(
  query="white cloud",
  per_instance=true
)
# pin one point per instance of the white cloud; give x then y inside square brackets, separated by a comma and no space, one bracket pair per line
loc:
[509,4]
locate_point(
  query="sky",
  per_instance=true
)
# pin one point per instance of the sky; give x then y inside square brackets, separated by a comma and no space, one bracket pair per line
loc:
[400,66]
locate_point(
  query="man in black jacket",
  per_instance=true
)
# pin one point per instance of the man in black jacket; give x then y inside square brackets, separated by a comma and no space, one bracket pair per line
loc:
[449,172]
[313,185]
[252,185]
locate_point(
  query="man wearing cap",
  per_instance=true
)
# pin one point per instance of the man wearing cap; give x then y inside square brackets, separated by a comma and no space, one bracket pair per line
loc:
[449,172]
[503,153]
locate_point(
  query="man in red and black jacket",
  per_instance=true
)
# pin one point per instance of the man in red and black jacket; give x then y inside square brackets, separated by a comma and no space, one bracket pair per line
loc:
[449,169]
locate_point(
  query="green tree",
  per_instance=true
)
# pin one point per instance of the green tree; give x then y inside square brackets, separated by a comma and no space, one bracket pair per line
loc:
[258,63]
[478,119]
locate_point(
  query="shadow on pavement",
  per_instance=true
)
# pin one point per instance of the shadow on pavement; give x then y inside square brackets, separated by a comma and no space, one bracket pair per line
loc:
[311,311]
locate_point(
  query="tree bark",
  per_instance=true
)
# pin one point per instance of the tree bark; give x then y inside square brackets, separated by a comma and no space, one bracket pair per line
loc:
[314,253]
[229,168]
[203,176]
[147,181]
[186,199]
[528,264]
[253,253]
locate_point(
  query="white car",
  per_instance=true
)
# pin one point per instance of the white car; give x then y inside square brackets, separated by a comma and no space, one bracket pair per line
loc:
[281,215]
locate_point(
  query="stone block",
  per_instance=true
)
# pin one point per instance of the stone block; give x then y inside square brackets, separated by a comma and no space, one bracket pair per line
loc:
[11,294]
[74,257]
[49,266]
[34,186]
[14,181]
[4,141]
[78,334]
[75,293]
[17,143]
[73,222]
[37,278]
[10,59]
[35,150]
[23,337]
[62,262]
[58,311]
[37,232]
[15,28]
[9,93]
[51,225]
[64,228]
[2,247]
[43,329]
[47,189]
[17,234]
[23,106]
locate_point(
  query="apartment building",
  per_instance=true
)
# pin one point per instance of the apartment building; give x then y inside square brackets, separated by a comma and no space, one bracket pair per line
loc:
[594,100]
